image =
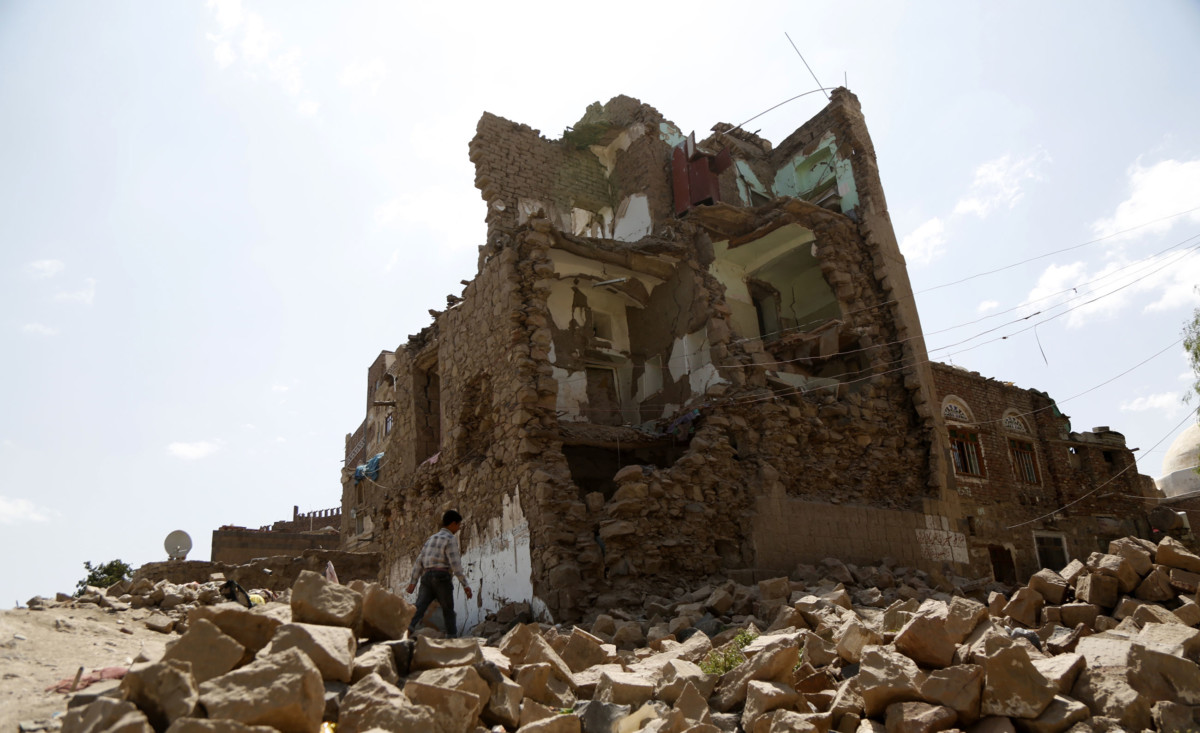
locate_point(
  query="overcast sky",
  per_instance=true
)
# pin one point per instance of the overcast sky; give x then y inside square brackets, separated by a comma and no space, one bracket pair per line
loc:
[214,216]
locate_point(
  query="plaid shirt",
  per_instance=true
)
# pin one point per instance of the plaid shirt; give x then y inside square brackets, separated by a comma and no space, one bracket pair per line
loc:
[440,552]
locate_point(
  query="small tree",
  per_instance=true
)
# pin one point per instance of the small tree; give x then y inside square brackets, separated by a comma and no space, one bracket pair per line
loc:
[102,576]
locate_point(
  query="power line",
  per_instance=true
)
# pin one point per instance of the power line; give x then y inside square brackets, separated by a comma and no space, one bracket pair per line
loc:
[1106,483]
[1059,251]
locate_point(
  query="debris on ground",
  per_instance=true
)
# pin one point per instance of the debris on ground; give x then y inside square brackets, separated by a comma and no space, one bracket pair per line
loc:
[1109,643]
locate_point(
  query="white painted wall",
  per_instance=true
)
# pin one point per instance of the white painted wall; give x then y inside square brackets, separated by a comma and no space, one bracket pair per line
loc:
[633,219]
[497,565]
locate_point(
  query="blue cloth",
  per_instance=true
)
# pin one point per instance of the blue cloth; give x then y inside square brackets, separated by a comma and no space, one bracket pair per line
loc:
[368,470]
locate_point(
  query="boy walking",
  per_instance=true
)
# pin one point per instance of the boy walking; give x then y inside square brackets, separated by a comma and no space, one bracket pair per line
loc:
[438,560]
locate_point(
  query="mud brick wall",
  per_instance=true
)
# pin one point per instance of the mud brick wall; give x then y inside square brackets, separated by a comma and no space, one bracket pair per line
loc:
[237,546]
[1005,511]
[527,165]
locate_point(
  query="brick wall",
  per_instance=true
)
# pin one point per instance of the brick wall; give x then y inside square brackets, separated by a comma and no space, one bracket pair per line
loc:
[1088,489]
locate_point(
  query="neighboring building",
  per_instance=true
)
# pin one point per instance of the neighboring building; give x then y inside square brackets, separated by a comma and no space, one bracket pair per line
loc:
[680,359]
[317,530]
[1034,493]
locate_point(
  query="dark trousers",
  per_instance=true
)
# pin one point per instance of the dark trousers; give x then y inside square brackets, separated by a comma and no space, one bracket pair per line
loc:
[436,585]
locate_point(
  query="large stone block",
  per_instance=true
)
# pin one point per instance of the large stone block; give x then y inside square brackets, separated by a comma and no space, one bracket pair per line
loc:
[1117,567]
[208,650]
[1012,685]
[926,639]
[1098,589]
[886,677]
[1137,555]
[375,659]
[106,715]
[625,688]
[385,615]
[432,653]
[253,629]
[374,704]
[773,663]
[163,691]
[1172,553]
[465,679]
[316,600]
[282,690]
[1052,586]
[331,648]
[454,710]
[959,688]
[763,697]
[1025,607]
[918,717]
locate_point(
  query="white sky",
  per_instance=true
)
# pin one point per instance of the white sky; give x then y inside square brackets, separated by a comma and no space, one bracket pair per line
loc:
[213,217]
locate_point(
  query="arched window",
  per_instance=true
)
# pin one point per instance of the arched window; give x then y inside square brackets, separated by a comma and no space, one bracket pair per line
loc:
[1014,423]
[955,410]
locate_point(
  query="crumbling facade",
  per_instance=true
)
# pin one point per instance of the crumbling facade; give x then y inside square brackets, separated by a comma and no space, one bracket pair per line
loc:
[677,359]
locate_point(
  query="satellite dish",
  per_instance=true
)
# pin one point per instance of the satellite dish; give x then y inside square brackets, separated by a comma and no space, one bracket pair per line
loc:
[177,545]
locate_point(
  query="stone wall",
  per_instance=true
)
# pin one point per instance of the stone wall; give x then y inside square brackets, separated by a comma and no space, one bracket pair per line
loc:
[275,573]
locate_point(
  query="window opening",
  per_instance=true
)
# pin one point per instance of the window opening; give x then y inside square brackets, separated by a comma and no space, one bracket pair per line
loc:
[1004,570]
[964,447]
[427,401]
[1024,461]
[1051,551]
[602,326]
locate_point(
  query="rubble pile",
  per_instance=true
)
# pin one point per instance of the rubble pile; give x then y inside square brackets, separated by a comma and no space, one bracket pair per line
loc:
[172,603]
[1107,644]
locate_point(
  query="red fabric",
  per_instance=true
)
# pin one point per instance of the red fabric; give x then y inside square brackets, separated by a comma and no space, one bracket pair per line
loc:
[96,675]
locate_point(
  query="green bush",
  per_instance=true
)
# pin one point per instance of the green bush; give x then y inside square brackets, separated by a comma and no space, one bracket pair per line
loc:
[102,576]
[721,660]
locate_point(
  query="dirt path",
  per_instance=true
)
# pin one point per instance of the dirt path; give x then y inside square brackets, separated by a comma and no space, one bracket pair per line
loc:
[39,648]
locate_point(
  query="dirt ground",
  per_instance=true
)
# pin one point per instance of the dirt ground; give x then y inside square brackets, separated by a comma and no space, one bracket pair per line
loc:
[39,648]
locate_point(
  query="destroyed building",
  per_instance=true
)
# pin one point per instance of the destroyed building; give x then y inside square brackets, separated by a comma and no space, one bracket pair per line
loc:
[684,358]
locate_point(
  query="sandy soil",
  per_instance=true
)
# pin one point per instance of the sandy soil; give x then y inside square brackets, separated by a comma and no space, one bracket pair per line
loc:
[39,648]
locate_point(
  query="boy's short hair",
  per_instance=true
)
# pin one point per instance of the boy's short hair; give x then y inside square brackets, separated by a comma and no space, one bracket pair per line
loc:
[450,517]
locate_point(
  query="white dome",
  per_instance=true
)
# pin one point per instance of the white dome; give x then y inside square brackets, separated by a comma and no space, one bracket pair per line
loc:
[1179,467]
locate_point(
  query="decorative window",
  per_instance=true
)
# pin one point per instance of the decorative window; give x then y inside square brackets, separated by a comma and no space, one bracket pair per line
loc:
[359,524]
[358,494]
[955,409]
[1024,461]
[1014,424]
[968,456]
[387,425]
